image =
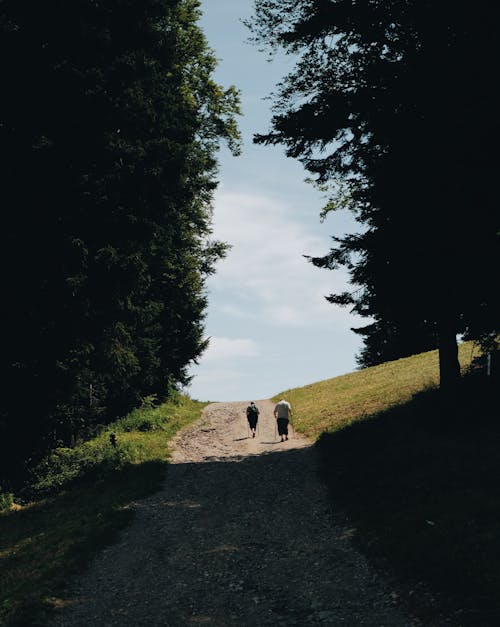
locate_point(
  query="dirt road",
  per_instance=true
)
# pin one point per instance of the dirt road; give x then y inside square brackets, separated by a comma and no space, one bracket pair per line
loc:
[242,534]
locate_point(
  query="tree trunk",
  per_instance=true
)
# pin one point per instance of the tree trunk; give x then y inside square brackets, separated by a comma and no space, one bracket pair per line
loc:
[449,366]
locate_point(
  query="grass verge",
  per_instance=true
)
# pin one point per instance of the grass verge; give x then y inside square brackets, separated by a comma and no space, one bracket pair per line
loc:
[82,497]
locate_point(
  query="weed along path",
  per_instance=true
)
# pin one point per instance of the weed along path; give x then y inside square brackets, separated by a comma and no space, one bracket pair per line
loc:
[240,534]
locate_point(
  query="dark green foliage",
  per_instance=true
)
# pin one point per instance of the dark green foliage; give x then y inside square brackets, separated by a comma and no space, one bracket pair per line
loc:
[109,125]
[6,501]
[386,341]
[392,107]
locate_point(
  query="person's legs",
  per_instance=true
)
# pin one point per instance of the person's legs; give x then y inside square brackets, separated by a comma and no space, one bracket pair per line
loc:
[282,428]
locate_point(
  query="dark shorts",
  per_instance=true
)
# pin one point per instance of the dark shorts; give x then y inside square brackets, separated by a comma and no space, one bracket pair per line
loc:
[282,426]
[252,421]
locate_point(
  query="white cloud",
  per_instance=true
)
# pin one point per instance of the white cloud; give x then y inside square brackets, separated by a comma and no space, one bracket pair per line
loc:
[236,312]
[225,348]
[286,315]
[268,319]
[265,273]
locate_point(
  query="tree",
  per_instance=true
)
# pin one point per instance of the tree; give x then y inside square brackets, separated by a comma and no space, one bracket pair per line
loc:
[390,103]
[386,341]
[110,122]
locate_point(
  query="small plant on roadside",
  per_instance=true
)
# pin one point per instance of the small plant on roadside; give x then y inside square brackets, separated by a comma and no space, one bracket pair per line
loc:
[6,501]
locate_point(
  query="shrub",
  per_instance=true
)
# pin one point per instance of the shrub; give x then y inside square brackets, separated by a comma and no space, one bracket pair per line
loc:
[6,501]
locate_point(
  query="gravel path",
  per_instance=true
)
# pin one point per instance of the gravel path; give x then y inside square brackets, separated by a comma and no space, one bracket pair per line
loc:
[240,534]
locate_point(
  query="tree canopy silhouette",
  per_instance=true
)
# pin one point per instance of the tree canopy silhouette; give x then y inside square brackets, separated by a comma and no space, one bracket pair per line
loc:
[110,120]
[391,107]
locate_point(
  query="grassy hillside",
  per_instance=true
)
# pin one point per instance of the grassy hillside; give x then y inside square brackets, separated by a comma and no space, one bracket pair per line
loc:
[414,479]
[79,499]
[335,403]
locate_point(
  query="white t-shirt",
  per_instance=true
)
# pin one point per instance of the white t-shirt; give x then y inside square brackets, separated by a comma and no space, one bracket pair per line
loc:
[282,409]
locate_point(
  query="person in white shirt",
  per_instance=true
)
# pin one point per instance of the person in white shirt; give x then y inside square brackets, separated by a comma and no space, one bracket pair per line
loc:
[282,413]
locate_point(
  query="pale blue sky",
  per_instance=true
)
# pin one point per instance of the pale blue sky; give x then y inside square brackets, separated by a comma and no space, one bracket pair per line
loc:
[270,326]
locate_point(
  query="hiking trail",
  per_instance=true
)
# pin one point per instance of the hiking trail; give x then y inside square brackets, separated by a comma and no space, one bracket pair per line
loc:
[241,534]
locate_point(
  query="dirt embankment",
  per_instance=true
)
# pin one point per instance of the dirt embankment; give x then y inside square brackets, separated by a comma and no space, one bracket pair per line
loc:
[242,534]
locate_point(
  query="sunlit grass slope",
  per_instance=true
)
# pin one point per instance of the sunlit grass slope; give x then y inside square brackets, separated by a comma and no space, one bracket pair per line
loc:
[79,499]
[334,403]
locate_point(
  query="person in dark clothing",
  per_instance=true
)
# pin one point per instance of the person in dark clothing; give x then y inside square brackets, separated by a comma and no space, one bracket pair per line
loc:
[252,417]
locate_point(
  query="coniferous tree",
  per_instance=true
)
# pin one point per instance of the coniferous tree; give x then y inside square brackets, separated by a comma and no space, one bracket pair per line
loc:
[385,341]
[391,103]
[109,125]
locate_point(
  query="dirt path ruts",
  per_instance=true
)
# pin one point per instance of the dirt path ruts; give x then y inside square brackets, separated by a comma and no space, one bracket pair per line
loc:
[241,534]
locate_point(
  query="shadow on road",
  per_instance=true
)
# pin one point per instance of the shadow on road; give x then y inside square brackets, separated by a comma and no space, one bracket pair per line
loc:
[240,542]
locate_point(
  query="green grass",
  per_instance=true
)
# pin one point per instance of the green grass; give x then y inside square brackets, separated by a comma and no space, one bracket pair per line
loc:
[332,404]
[81,499]
[416,477]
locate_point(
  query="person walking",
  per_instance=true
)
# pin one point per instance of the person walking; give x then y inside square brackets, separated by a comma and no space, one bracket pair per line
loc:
[252,417]
[282,413]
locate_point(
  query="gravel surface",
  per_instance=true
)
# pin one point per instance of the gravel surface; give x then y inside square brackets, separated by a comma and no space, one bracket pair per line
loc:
[241,533]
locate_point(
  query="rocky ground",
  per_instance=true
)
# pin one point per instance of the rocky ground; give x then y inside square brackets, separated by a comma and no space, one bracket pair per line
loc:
[242,533]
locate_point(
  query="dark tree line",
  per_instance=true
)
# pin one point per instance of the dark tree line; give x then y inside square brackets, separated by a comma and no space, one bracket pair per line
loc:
[109,125]
[393,105]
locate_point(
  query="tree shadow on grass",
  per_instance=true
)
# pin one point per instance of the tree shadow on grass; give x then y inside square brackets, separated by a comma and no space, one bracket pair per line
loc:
[44,543]
[419,484]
